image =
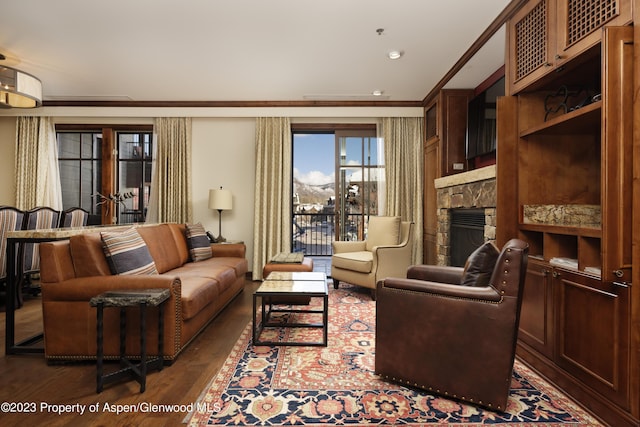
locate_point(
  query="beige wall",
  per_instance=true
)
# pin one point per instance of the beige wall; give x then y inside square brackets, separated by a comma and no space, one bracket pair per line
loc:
[223,150]
[223,155]
[7,159]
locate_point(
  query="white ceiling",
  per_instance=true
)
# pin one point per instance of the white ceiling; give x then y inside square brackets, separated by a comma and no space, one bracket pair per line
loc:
[246,50]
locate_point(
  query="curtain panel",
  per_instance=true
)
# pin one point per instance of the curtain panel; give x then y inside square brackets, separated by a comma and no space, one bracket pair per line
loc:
[171,191]
[403,151]
[272,223]
[36,165]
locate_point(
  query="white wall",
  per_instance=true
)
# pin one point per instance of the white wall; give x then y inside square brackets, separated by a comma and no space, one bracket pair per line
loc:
[223,152]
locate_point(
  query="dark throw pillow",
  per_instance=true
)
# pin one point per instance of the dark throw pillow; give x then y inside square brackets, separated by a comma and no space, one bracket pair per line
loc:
[127,253]
[198,242]
[479,266]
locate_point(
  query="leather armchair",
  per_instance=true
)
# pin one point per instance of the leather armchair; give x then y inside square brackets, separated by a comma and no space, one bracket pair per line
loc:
[386,252]
[459,341]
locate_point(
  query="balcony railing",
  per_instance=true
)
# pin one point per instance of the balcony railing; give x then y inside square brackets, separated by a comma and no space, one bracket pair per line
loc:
[314,233]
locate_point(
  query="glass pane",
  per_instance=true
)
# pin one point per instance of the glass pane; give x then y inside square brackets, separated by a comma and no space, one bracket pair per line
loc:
[350,151]
[147,173]
[68,145]
[69,174]
[97,146]
[87,145]
[129,146]
[96,185]
[87,188]
[148,146]
[130,176]
[371,151]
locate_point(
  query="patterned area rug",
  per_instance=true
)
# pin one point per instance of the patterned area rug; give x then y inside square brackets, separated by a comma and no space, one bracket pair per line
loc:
[336,385]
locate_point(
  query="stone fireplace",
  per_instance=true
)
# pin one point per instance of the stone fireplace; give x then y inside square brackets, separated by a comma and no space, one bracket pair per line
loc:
[464,192]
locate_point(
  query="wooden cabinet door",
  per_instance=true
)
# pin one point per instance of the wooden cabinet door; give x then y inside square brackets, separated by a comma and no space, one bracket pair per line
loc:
[536,316]
[530,44]
[580,21]
[617,153]
[454,107]
[545,34]
[592,338]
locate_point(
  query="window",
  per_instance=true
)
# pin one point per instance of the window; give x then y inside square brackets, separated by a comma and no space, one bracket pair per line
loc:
[79,159]
[88,160]
[134,176]
[360,172]
[338,181]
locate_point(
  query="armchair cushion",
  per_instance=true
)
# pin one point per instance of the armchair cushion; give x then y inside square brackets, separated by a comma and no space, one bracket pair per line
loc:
[361,261]
[383,231]
[480,265]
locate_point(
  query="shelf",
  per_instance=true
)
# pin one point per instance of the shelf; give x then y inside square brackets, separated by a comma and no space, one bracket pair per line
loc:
[562,229]
[585,120]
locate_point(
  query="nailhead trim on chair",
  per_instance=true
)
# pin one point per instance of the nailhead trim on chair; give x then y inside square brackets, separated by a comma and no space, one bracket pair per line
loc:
[446,393]
[406,291]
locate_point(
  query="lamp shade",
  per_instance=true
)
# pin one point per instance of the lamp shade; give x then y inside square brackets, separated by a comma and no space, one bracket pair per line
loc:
[19,89]
[220,199]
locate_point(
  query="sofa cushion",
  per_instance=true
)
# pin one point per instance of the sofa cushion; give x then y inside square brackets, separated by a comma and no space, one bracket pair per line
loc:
[383,231]
[162,247]
[198,242]
[479,266]
[88,255]
[180,239]
[355,261]
[127,253]
[197,293]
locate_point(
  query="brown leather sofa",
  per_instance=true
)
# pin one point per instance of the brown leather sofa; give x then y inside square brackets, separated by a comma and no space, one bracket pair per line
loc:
[75,270]
[459,341]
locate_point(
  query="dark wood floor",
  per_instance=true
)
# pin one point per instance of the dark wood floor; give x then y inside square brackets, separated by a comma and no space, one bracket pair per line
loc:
[29,379]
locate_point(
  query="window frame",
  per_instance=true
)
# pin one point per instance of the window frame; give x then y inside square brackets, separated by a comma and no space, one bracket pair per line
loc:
[109,156]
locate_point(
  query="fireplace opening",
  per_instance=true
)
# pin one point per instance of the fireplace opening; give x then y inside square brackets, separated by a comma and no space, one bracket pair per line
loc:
[466,234]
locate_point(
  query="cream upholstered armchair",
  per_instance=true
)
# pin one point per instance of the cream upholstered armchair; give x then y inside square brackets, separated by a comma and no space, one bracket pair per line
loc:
[386,252]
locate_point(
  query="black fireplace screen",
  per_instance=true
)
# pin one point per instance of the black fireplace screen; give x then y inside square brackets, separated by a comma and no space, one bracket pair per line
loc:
[466,234]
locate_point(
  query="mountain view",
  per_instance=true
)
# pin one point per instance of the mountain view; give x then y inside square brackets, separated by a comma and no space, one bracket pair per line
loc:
[313,194]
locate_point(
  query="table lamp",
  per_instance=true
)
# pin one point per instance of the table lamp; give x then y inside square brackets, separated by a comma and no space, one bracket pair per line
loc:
[220,200]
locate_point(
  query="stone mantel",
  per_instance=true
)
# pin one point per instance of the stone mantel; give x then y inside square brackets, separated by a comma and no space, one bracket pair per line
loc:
[472,189]
[482,174]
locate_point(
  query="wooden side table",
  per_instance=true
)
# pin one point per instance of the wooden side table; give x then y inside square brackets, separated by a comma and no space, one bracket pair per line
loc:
[141,298]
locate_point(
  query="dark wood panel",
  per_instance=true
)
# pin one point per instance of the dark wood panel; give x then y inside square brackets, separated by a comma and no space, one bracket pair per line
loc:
[234,104]
[507,212]
[536,317]
[592,337]
[454,106]
[108,176]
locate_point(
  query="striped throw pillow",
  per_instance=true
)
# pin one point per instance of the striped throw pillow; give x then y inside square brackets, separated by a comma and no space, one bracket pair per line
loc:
[127,253]
[198,242]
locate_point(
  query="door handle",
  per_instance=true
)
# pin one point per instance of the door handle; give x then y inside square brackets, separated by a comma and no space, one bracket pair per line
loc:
[622,284]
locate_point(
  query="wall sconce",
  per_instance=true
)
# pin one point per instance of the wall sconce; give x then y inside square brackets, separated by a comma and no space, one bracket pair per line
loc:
[19,89]
[220,200]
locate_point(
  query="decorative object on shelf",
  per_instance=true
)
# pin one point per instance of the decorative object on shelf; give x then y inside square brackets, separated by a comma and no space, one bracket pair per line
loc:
[112,199]
[565,100]
[556,102]
[18,89]
[573,215]
[220,200]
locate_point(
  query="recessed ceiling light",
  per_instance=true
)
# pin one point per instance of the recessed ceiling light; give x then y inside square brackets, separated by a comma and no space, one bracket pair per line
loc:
[395,54]
[376,93]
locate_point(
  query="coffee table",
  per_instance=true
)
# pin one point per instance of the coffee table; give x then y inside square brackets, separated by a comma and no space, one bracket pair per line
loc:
[290,284]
